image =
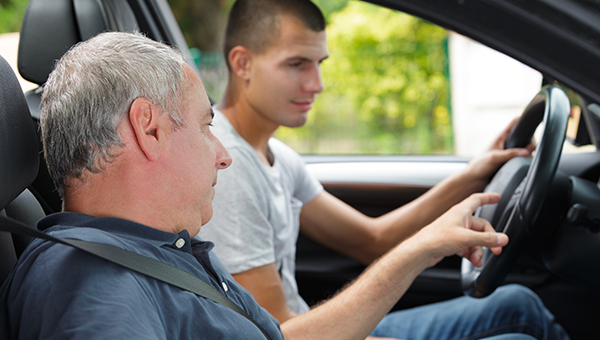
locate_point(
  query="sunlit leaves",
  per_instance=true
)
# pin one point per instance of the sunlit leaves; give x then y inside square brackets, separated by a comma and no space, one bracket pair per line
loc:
[386,87]
[11,15]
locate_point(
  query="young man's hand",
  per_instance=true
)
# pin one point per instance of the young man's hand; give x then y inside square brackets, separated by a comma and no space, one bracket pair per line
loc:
[484,166]
[459,232]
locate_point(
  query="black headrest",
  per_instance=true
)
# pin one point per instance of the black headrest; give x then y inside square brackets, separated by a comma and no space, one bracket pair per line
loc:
[51,27]
[18,141]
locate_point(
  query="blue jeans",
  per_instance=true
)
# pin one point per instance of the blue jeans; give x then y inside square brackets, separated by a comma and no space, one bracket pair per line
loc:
[510,309]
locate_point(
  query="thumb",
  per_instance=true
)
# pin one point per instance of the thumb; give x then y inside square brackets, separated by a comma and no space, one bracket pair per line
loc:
[503,156]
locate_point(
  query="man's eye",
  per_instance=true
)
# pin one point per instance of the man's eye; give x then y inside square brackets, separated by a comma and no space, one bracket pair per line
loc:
[296,64]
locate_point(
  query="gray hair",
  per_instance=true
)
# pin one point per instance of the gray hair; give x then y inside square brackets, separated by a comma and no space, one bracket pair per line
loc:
[89,94]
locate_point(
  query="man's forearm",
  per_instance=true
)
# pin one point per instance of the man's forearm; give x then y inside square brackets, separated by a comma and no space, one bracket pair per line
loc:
[403,222]
[355,311]
[449,191]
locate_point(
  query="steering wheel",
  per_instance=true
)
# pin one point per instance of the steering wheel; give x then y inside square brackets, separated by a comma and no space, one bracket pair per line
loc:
[523,184]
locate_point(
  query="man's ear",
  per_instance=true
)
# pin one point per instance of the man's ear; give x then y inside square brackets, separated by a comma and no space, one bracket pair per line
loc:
[148,128]
[240,60]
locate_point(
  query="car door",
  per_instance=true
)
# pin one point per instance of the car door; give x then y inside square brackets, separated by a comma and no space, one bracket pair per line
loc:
[375,185]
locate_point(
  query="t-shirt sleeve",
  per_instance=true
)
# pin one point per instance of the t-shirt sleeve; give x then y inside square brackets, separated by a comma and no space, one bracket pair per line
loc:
[240,227]
[306,185]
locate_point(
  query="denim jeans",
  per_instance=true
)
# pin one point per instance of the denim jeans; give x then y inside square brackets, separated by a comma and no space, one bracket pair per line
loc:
[510,309]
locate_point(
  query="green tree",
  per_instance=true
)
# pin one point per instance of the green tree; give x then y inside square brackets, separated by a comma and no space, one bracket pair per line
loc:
[202,21]
[386,87]
[328,7]
[11,15]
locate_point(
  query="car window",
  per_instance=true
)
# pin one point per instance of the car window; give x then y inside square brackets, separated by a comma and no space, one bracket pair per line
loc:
[398,85]
[386,91]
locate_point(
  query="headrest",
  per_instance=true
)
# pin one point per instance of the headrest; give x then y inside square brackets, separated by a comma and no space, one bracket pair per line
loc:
[18,141]
[51,27]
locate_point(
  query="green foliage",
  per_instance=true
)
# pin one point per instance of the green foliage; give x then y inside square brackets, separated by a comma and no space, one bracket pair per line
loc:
[11,15]
[329,7]
[202,21]
[386,87]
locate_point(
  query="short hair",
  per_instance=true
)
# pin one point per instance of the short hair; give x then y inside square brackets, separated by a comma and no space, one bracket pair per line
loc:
[254,23]
[90,91]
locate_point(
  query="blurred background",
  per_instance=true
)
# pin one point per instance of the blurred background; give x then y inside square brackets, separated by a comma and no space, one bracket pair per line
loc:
[394,84]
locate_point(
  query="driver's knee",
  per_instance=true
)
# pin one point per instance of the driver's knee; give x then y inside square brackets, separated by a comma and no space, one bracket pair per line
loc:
[516,295]
[517,302]
[517,299]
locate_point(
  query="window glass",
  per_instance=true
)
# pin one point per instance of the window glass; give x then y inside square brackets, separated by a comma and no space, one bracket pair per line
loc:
[398,85]
[386,87]
[395,84]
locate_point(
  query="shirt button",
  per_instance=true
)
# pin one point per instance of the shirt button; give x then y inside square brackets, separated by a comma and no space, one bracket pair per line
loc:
[180,243]
[225,288]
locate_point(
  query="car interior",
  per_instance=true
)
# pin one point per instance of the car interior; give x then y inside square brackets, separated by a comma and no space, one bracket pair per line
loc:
[557,260]
[19,163]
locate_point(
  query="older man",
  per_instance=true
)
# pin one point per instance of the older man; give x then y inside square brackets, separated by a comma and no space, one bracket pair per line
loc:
[125,126]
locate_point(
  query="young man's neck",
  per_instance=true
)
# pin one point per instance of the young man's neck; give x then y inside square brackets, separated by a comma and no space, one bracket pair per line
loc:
[249,124]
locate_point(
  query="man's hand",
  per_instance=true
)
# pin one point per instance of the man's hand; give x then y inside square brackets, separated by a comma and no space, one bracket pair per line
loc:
[455,232]
[459,232]
[483,167]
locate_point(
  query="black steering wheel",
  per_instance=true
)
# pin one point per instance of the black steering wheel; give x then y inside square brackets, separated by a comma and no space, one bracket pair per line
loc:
[523,184]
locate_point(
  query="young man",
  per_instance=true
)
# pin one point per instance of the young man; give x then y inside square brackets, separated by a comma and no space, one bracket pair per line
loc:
[274,50]
[125,125]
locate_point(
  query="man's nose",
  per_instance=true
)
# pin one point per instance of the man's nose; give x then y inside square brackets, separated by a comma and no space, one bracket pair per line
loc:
[223,157]
[314,82]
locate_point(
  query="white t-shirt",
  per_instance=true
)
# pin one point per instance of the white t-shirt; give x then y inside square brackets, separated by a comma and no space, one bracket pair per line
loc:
[257,208]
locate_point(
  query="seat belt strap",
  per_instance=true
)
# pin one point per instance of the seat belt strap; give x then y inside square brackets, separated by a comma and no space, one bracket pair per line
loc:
[136,262]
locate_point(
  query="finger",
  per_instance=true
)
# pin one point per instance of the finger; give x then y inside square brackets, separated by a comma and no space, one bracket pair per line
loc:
[480,224]
[473,254]
[509,127]
[498,143]
[502,156]
[496,250]
[476,256]
[474,201]
[487,239]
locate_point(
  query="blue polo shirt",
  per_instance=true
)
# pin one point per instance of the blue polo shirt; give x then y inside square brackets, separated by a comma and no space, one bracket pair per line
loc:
[58,292]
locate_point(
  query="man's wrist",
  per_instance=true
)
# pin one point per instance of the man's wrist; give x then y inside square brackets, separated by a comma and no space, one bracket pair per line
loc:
[416,250]
[471,179]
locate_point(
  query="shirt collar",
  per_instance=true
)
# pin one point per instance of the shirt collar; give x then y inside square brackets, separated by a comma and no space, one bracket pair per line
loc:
[126,228]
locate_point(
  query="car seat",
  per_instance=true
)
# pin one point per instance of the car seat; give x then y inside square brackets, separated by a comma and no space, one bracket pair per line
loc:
[49,29]
[18,166]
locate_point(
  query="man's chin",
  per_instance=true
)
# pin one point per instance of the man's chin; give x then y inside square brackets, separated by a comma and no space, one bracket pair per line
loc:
[298,121]
[207,216]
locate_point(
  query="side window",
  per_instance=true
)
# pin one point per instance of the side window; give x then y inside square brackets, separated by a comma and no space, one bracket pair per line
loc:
[386,87]
[395,84]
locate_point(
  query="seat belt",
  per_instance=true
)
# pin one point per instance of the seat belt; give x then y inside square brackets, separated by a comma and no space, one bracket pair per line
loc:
[136,262]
